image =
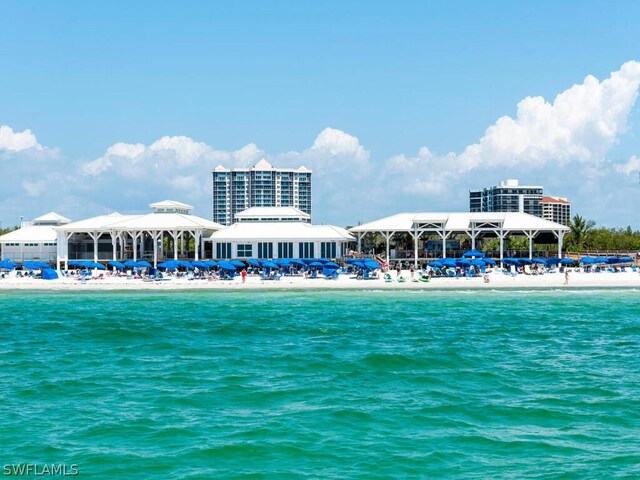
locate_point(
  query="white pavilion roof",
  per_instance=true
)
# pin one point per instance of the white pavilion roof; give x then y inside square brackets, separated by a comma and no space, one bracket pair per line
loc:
[51,218]
[460,222]
[31,234]
[263,213]
[283,231]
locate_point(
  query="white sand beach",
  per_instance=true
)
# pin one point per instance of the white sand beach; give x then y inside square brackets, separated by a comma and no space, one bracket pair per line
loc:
[497,280]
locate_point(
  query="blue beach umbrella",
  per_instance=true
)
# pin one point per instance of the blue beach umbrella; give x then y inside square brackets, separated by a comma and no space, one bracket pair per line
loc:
[211,263]
[8,265]
[489,261]
[553,261]
[371,264]
[169,264]
[131,264]
[318,265]
[269,264]
[296,261]
[626,260]
[237,263]
[567,261]
[612,260]
[538,260]
[473,253]
[600,260]
[144,263]
[253,262]
[350,261]
[587,260]
[200,264]
[116,264]
[185,264]
[225,265]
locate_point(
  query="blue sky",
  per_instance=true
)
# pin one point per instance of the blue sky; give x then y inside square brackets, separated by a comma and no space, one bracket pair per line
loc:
[394,105]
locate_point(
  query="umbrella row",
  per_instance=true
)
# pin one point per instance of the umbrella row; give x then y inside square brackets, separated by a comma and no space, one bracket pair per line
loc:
[605,260]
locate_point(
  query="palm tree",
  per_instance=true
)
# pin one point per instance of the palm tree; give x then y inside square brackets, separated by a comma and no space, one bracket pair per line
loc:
[580,231]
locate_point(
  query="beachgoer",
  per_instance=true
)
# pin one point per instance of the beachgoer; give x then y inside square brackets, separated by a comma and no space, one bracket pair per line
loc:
[566,276]
[486,278]
[412,269]
[398,269]
[243,274]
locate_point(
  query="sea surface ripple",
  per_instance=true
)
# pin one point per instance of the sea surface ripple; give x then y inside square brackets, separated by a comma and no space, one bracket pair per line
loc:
[303,384]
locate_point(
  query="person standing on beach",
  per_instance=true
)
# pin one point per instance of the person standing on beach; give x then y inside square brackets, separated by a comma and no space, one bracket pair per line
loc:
[243,274]
[398,269]
[412,270]
[566,276]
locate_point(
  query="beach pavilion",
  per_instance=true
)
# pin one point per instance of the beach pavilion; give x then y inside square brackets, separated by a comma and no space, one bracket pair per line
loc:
[474,224]
[278,232]
[121,237]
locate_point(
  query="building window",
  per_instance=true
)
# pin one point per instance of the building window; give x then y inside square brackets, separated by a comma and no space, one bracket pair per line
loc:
[245,250]
[305,250]
[223,250]
[328,249]
[285,249]
[265,250]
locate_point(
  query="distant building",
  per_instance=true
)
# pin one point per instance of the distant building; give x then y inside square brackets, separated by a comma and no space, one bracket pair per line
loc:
[509,196]
[35,240]
[556,209]
[237,189]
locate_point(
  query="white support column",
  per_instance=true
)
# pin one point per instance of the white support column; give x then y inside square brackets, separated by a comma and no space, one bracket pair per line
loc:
[156,238]
[174,236]
[502,235]
[94,236]
[416,238]
[387,237]
[530,235]
[360,242]
[560,235]
[196,237]
[114,246]
[66,250]
[444,235]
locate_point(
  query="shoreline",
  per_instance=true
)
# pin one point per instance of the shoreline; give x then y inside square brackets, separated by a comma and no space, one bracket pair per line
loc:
[497,281]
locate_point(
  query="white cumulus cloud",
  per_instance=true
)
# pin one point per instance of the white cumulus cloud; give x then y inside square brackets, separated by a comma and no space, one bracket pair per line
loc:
[632,166]
[17,141]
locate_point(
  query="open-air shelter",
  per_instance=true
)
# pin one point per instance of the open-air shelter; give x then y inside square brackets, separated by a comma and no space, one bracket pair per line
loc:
[474,224]
[135,236]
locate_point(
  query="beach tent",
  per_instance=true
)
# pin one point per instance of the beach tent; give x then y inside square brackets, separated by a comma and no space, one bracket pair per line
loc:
[49,274]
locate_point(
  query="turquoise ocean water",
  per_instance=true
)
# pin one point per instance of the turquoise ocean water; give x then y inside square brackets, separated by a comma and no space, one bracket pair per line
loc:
[299,384]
